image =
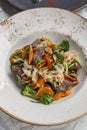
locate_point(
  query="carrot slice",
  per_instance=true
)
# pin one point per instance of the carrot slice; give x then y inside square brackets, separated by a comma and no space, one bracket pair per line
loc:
[30,55]
[68,91]
[40,66]
[43,90]
[69,77]
[58,95]
[40,81]
[52,46]
[63,94]
[47,60]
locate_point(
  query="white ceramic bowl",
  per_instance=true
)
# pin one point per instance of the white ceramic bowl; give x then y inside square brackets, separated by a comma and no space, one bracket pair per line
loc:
[22,29]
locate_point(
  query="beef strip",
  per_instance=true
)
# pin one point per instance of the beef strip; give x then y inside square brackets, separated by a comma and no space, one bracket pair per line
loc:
[39,53]
[36,42]
[66,83]
[17,70]
[63,86]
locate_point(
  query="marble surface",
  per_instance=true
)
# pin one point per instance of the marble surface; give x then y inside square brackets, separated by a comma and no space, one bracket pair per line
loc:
[7,122]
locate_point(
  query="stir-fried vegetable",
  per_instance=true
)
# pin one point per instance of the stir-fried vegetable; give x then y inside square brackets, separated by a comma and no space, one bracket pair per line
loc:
[46,99]
[53,65]
[43,90]
[63,46]
[39,61]
[73,74]
[47,60]
[55,84]
[59,57]
[79,62]
[66,68]
[40,81]
[52,46]
[58,95]
[46,70]
[61,94]
[23,54]
[28,91]
[69,77]
[15,58]
[30,55]
[16,77]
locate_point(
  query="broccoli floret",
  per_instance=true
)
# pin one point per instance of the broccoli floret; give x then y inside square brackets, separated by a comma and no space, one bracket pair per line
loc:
[28,91]
[63,46]
[46,99]
[59,57]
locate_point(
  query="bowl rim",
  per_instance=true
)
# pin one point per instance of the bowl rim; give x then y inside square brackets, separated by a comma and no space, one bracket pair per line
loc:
[41,124]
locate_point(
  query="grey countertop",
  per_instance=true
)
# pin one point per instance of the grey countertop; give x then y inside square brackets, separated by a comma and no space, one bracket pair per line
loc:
[7,122]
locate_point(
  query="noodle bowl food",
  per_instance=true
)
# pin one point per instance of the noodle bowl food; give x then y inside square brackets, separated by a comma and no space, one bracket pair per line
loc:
[46,71]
